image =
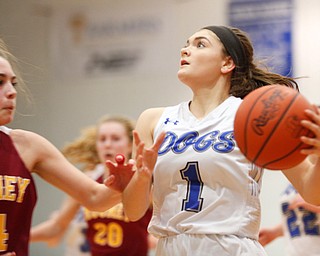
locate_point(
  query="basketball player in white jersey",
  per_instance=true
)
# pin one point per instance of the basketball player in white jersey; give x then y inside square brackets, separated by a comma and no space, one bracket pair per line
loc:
[300,226]
[205,192]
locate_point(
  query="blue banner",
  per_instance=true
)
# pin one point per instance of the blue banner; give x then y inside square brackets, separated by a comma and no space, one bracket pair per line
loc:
[269,26]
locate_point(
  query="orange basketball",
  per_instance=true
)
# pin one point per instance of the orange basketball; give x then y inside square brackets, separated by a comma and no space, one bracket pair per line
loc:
[267,127]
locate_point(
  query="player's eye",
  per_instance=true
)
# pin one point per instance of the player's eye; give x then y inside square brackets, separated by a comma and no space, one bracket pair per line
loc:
[200,44]
[14,83]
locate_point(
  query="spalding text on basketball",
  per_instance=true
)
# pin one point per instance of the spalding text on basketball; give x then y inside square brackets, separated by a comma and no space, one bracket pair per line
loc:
[269,111]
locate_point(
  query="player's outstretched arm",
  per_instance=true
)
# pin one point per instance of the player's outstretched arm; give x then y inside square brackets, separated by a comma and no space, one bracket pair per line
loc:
[48,162]
[136,197]
[305,177]
[53,229]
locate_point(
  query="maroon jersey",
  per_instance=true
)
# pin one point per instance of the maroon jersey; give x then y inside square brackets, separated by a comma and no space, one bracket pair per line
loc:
[110,233]
[17,199]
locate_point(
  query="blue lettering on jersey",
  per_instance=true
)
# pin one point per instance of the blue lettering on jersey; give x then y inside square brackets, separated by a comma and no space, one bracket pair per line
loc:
[290,189]
[221,142]
[85,246]
[308,224]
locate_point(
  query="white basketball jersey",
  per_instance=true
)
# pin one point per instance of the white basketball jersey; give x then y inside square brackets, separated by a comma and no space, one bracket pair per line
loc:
[203,184]
[302,227]
[76,243]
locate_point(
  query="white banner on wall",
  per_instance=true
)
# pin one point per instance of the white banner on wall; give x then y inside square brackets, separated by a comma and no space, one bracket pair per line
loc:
[103,42]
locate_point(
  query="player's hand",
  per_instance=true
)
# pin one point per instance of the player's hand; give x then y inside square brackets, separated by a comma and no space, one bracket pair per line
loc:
[266,236]
[313,125]
[146,158]
[297,202]
[120,173]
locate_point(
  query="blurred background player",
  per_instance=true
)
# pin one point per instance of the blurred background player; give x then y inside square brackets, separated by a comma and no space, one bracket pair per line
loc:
[105,233]
[83,153]
[300,226]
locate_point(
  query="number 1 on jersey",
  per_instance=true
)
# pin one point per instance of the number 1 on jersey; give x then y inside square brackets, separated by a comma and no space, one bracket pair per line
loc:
[193,201]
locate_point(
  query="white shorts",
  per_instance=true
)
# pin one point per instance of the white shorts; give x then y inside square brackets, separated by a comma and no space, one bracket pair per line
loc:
[208,245]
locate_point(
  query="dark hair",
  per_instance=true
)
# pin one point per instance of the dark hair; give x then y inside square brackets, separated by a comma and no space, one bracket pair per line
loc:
[247,76]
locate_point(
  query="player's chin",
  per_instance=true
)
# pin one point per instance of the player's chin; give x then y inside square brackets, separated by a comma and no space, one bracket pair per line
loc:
[182,74]
[5,119]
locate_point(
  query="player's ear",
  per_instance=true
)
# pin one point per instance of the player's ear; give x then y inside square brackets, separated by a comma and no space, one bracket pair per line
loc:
[228,65]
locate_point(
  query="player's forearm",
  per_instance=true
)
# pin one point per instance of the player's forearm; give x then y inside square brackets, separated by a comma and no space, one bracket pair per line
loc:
[306,179]
[311,188]
[45,231]
[136,198]
[278,230]
[102,199]
[311,207]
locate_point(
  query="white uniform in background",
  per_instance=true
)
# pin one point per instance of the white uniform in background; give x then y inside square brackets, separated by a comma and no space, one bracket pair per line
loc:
[302,227]
[76,243]
[206,194]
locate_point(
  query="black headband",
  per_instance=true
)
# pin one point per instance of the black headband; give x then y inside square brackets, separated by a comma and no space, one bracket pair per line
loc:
[231,43]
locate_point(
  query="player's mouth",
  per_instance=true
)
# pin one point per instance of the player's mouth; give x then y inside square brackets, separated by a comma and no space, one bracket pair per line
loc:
[109,156]
[184,63]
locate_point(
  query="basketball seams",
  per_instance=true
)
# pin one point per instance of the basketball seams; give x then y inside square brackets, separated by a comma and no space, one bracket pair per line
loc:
[266,141]
[309,133]
[248,117]
[283,157]
[267,127]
